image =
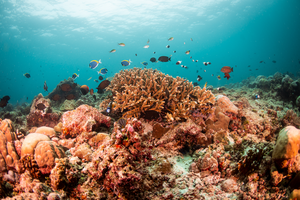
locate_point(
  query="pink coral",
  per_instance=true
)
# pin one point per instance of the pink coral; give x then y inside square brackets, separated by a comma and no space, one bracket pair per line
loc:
[226,105]
[84,118]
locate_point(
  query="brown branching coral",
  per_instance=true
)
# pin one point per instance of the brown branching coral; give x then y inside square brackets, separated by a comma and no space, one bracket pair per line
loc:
[143,91]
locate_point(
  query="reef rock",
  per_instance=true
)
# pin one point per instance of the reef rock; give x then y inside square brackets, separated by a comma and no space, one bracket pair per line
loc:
[41,113]
[8,153]
[83,119]
[226,105]
[68,105]
[66,89]
[287,145]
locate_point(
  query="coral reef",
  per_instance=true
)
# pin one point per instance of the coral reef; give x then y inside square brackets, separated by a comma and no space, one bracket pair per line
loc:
[8,154]
[145,92]
[41,113]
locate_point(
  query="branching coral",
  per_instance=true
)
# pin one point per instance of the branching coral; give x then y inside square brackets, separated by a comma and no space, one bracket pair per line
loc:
[143,91]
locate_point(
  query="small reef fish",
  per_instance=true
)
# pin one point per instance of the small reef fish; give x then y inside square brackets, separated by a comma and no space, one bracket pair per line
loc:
[74,76]
[100,77]
[184,66]
[148,41]
[125,63]
[27,75]
[192,39]
[121,44]
[168,46]
[206,63]
[219,77]
[4,101]
[91,91]
[103,71]
[96,80]
[174,51]
[154,52]
[122,122]
[274,61]
[153,59]
[188,52]
[262,61]
[144,63]
[135,54]
[171,38]
[45,86]
[178,62]
[112,51]
[94,63]
[205,84]
[89,78]
[226,70]
[196,60]
[164,59]
[110,107]
[146,46]
[199,78]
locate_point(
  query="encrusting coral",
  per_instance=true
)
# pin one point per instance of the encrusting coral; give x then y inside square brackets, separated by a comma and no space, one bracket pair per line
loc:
[147,92]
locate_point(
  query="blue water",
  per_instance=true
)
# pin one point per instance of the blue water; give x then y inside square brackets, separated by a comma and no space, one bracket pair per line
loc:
[51,40]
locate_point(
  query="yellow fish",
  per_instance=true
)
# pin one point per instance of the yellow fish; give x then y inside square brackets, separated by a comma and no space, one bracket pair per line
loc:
[90,78]
[205,84]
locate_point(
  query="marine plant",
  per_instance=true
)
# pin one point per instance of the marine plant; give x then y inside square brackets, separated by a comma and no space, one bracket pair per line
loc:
[144,92]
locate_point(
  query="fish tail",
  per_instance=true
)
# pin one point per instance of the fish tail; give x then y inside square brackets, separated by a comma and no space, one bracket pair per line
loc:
[232,69]
[169,58]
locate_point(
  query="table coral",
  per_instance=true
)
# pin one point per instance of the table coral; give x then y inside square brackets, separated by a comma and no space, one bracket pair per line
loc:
[144,92]
[8,153]
[83,118]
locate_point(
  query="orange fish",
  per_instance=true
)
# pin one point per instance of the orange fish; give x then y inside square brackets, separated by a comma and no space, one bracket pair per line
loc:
[226,70]
[92,91]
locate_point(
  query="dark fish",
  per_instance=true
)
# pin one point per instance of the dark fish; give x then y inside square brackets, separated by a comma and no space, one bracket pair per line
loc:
[164,59]
[4,101]
[199,78]
[256,69]
[195,84]
[274,61]
[174,51]
[100,78]
[45,86]
[27,98]
[154,52]
[135,54]
[94,96]
[27,75]
[40,106]
[261,61]
[197,71]
[152,59]
[249,65]
[96,80]
[168,46]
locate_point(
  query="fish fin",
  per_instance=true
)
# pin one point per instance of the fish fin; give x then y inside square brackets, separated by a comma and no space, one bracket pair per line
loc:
[100,61]
[169,58]
[232,69]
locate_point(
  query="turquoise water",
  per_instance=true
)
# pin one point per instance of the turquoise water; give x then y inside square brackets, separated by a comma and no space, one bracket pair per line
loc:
[51,40]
